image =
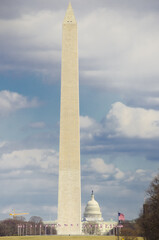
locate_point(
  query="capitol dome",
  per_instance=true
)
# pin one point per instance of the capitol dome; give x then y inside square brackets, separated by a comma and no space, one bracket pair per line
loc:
[92,211]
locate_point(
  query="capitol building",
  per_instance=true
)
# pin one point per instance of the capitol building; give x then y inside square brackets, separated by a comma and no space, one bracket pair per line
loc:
[92,222]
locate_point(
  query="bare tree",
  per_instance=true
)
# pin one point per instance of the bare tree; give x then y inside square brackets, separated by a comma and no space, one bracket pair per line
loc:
[20,218]
[36,219]
[149,217]
[130,230]
[8,227]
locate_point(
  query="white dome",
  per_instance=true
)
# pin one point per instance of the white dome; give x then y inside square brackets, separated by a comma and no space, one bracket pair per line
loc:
[92,211]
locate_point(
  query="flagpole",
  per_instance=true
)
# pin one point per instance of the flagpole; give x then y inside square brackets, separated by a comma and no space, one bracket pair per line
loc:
[118,227]
[121,218]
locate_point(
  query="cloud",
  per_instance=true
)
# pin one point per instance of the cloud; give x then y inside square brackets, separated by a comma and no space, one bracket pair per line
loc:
[31,43]
[14,11]
[117,45]
[89,128]
[44,159]
[17,9]
[119,174]
[86,122]
[106,170]
[122,122]
[12,101]
[100,166]
[2,144]
[30,174]
[140,171]
[122,52]
[143,100]
[131,122]
[37,125]
[125,132]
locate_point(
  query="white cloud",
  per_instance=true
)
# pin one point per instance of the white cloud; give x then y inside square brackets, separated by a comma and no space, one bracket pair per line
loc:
[119,174]
[89,128]
[33,174]
[98,165]
[86,122]
[45,159]
[106,170]
[132,122]
[141,171]
[2,144]
[12,101]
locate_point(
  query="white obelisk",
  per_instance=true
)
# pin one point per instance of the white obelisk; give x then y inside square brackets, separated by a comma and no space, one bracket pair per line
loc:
[69,189]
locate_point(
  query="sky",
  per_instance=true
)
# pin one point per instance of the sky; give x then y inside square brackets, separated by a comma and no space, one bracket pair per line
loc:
[119,103]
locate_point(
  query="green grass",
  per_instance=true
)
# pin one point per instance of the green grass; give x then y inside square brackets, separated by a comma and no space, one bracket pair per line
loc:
[63,238]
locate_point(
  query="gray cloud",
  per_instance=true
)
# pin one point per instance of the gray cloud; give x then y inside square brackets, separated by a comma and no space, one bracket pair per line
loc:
[27,174]
[117,40]
[19,7]
[133,131]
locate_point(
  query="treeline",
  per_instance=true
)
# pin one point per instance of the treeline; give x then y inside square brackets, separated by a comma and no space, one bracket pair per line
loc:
[18,227]
[149,216]
[131,230]
[147,225]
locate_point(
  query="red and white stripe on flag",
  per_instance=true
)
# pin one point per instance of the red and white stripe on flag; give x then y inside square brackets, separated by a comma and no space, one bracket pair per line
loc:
[120,226]
[121,216]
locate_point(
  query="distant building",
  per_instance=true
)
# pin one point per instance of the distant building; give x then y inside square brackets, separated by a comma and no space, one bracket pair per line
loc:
[92,222]
[92,211]
[92,218]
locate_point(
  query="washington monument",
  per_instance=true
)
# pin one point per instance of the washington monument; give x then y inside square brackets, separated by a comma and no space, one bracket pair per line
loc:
[69,189]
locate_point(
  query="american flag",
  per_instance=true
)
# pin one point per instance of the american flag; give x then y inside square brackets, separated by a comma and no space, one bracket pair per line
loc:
[121,216]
